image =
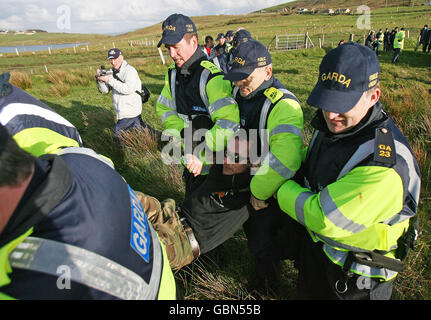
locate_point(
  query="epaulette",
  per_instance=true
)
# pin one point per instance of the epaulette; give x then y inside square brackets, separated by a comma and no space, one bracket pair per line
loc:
[273,94]
[384,147]
[210,66]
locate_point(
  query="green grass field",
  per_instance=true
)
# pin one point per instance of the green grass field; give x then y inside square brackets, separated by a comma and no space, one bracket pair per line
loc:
[70,89]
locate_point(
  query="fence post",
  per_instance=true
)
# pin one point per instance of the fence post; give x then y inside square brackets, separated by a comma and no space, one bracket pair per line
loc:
[351,37]
[306,40]
[16,50]
[161,55]
[46,69]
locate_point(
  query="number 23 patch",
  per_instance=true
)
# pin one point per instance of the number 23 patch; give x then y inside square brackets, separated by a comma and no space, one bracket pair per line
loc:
[384,148]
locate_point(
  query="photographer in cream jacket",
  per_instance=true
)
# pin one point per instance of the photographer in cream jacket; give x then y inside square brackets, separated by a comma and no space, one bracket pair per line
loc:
[124,81]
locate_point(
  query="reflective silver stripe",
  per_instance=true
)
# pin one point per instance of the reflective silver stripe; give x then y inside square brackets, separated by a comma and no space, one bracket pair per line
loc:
[12,110]
[264,114]
[220,103]
[278,166]
[415,181]
[85,151]
[168,114]
[203,86]
[167,102]
[401,150]
[235,92]
[88,268]
[216,62]
[286,128]
[361,154]
[173,82]
[414,185]
[341,256]
[299,206]
[228,125]
[313,139]
[334,215]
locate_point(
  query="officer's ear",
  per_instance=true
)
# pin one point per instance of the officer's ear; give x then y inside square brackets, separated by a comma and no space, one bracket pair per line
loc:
[374,95]
[268,72]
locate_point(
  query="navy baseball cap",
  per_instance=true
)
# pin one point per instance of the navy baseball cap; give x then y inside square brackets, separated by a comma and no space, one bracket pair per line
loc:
[241,36]
[114,53]
[345,73]
[229,33]
[220,35]
[175,27]
[249,56]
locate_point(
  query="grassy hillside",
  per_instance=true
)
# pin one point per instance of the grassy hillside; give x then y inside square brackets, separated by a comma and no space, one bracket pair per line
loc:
[344,4]
[70,89]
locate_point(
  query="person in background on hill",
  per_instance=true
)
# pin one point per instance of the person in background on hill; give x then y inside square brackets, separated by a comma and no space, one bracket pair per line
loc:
[341,42]
[271,114]
[350,213]
[194,92]
[371,39]
[379,41]
[422,34]
[124,82]
[220,48]
[229,38]
[392,38]
[62,236]
[221,55]
[398,44]
[209,47]
[35,127]
[386,40]
[426,47]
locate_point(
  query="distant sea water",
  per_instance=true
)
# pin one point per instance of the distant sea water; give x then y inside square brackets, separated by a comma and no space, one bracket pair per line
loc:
[40,47]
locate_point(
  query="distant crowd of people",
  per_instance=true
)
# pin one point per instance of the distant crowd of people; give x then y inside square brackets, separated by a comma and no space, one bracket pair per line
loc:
[394,41]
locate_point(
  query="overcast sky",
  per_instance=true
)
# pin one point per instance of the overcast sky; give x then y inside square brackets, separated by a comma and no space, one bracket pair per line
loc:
[112,16]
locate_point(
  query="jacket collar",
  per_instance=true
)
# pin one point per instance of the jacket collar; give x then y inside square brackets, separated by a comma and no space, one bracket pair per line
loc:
[193,63]
[51,181]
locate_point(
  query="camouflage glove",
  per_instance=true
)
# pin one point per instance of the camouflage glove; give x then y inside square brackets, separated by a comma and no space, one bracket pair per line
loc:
[169,228]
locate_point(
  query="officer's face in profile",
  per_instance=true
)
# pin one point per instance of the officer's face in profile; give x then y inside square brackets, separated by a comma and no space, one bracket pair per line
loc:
[254,80]
[341,122]
[183,50]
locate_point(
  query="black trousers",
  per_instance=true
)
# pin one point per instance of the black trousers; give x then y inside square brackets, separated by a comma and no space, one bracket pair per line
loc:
[259,231]
[397,52]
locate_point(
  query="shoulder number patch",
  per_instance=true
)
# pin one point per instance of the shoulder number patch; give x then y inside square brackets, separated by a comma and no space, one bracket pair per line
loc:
[210,66]
[384,147]
[273,94]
